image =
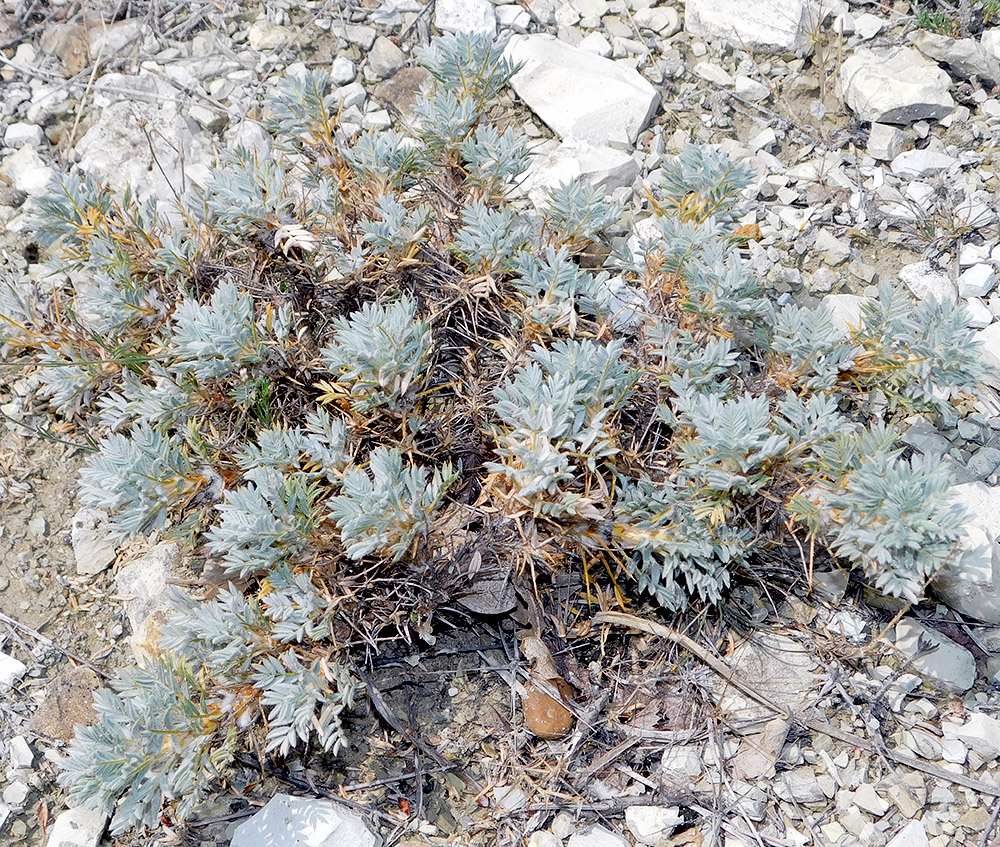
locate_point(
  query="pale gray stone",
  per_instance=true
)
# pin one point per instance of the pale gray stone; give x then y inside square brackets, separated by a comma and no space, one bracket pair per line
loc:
[779,668]
[573,160]
[750,89]
[145,583]
[19,134]
[980,733]
[26,171]
[652,825]
[916,164]
[266,36]
[979,313]
[929,282]
[92,548]
[596,836]
[78,827]
[799,785]
[897,85]
[911,835]
[989,339]
[965,56]
[385,58]
[11,670]
[977,281]
[119,149]
[885,142]
[113,41]
[832,249]
[343,71]
[949,666]
[773,26]
[845,310]
[470,16]
[20,753]
[578,94]
[295,821]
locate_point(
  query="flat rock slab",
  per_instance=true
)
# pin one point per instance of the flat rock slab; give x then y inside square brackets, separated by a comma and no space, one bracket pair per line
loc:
[773,26]
[580,95]
[576,160]
[948,667]
[302,822]
[78,827]
[780,669]
[897,85]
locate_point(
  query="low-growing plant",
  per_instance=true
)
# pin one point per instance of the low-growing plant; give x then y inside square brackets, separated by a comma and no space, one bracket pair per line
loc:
[344,354]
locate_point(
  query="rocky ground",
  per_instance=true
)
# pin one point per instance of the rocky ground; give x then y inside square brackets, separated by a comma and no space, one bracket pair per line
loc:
[874,141]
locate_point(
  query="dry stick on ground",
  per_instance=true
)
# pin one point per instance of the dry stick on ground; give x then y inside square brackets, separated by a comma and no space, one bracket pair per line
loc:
[814,724]
[48,642]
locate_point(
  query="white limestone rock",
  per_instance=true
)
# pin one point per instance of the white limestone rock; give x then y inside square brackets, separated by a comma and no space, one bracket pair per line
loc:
[885,142]
[19,133]
[897,85]
[977,281]
[25,171]
[989,339]
[845,310]
[949,667]
[596,836]
[117,151]
[92,549]
[571,160]
[980,733]
[965,56]
[343,71]
[652,825]
[145,582]
[980,315]
[11,670]
[911,835]
[581,96]
[303,822]
[472,16]
[775,26]
[929,282]
[970,583]
[385,58]
[78,827]
[916,164]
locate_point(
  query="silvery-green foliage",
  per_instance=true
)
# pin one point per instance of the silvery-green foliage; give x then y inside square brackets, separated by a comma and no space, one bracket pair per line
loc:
[156,739]
[137,478]
[558,415]
[917,351]
[702,183]
[704,364]
[213,339]
[731,443]
[378,352]
[68,378]
[69,209]
[895,519]
[444,121]
[398,229]
[300,105]
[389,158]
[266,521]
[297,611]
[494,159]
[321,444]
[577,212]
[675,553]
[490,239]
[244,195]
[387,507]
[304,701]
[470,63]
[817,351]
[160,401]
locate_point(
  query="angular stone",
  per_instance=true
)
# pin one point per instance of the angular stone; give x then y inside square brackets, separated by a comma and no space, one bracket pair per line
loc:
[885,142]
[949,667]
[866,799]
[303,822]
[977,281]
[25,171]
[929,282]
[571,160]
[911,835]
[343,71]
[652,825]
[78,827]
[760,750]
[775,26]
[19,134]
[980,733]
[916,164]
[400,91]
[799,785]
[265,36]
[596,836]
[965,56]
[844,309]
[385,58]
[120,150]
[144,582]
[580,95]
[11,671]
[465,16]
[91,547]
[895,86]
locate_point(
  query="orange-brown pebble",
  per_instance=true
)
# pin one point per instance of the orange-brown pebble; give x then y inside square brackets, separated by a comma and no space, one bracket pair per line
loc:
[545,716]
